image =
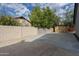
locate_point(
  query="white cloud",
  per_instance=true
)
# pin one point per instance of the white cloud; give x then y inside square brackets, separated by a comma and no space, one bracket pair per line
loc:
[62,4]
[18,8]
[50,5]
[33,4]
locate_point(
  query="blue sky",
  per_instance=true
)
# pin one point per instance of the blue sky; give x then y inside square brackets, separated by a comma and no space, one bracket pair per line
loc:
[23,9]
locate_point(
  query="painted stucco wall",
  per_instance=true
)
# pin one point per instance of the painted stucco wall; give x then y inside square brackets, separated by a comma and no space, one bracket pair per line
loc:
[77,22]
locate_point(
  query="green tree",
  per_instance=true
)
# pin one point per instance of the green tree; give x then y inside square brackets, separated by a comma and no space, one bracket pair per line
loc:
[43,18]
[36,17]
[50,17]
[8,20]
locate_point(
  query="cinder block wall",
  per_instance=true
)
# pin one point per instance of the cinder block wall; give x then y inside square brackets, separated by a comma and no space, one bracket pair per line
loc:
[15,33]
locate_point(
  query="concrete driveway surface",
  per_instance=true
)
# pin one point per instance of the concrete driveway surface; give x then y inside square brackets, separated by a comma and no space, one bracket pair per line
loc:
[52,44]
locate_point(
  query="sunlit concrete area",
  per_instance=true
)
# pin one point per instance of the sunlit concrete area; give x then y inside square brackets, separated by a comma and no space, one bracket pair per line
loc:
[49,44]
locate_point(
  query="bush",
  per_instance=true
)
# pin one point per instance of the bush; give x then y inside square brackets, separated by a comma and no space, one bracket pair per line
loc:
[8,20]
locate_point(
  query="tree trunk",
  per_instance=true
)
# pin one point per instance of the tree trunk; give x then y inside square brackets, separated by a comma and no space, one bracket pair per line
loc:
[53,29]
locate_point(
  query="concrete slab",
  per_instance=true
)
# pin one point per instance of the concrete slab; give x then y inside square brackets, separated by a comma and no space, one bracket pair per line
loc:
[52,44]
[63,40]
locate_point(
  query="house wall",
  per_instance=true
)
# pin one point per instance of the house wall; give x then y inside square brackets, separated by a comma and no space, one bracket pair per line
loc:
[23,22]
[77,22]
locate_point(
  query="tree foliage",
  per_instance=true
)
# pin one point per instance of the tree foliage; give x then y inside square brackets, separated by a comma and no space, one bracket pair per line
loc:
[36,17]
[7,20]
[43,18]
